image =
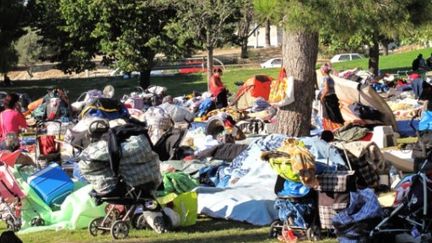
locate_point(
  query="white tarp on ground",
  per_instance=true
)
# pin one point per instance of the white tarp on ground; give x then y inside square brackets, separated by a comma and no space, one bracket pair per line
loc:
[250,200]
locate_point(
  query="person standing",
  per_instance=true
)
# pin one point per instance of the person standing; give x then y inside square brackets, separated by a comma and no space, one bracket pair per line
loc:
[217,89]
[332,116]
[418,63]
[429,62]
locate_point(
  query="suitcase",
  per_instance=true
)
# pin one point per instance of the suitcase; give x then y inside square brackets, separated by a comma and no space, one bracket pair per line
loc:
[52,184]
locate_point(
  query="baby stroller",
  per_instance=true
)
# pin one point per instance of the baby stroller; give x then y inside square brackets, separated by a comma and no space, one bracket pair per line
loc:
[297,213]
[413,214]
[125,174]
[117,219]
[412,211]
[11,197]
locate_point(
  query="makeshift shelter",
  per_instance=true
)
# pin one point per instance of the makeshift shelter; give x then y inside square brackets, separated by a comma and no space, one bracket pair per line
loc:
[254,87]
[350,92]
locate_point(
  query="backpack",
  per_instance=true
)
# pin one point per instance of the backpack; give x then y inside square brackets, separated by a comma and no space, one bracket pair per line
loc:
[47,145]
[53,107]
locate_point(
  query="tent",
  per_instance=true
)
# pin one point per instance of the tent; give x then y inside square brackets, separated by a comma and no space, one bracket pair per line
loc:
[254,87]
[349,92]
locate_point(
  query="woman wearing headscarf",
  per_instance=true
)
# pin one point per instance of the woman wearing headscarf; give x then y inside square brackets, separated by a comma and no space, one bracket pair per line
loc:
[332,117]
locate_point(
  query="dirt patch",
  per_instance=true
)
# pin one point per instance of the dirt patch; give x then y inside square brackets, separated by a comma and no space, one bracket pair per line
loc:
[55,73]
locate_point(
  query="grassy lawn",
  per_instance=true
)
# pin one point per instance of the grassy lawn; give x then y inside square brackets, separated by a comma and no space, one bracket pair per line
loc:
[391,63]
[206,230]
[176,84]
[184,84]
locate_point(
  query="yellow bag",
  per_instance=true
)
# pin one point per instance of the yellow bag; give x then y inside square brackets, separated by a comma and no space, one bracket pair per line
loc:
[278,90]
[185,205]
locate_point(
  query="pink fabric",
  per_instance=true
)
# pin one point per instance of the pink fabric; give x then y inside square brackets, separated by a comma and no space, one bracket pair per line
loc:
[9,189]
[11,121]
[413,76]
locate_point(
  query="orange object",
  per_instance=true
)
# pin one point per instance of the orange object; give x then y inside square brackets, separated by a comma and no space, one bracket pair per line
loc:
[288,236]
[329,125]
[261,86]
[35,104]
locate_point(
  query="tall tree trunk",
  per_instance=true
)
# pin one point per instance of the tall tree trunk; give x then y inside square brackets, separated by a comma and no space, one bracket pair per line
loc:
[145,78]
[374,57]
[244,49]
[209,65]
[267,34]
[146,68]
[300,50]
[385,44]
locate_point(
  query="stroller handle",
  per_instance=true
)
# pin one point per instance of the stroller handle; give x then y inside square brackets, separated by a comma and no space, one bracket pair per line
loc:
[412,124]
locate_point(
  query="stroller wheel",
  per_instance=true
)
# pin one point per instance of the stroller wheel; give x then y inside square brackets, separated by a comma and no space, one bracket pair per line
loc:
[138,221]
[10,222]
[276,228]
[37,222]
[94,225]
[119,230]
[313,233]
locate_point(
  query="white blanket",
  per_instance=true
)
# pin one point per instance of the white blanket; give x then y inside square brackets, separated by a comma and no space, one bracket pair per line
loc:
[250,199]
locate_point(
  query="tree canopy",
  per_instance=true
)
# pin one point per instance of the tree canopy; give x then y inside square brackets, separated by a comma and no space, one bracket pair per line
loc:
[12,20]
[372,22]
[127,35]
[212,23]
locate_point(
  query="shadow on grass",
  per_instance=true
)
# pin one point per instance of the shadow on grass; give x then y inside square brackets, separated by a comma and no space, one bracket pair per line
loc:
[207,225]
[176,84]
[244,237]
[396,69]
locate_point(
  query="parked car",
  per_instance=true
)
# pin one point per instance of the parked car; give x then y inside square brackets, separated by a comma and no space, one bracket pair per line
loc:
[345,57]
[272,63]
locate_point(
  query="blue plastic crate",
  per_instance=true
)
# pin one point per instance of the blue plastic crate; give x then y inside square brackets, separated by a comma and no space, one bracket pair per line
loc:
[52,184]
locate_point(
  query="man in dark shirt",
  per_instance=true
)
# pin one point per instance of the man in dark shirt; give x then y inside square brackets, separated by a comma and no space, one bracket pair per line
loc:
[429,62]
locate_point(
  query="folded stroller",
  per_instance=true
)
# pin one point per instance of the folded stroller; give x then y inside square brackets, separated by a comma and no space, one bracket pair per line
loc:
[11,197]
[412,211]
[10,201]
[298,212]
[123,170]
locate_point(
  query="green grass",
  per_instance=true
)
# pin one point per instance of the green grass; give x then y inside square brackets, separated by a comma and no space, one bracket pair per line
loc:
[391,63]
[176,84]
[184,84]
[206,230]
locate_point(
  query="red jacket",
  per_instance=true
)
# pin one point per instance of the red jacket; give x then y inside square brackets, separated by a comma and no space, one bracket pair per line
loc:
[216,85]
